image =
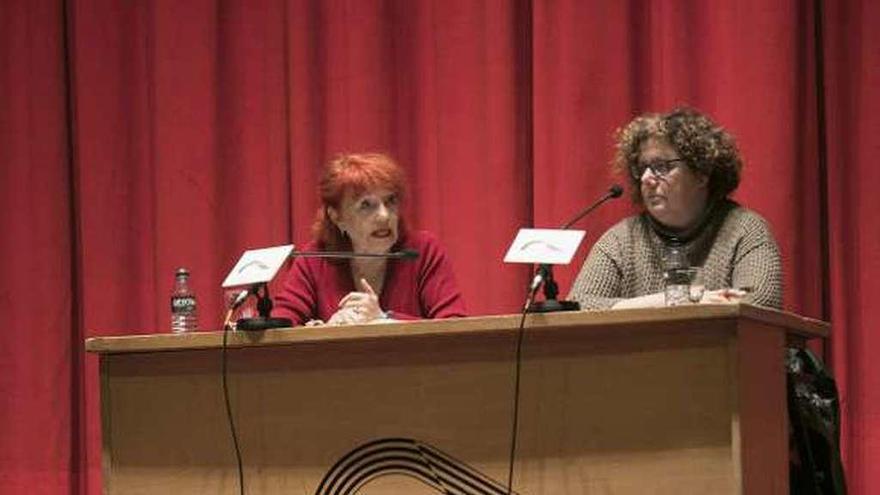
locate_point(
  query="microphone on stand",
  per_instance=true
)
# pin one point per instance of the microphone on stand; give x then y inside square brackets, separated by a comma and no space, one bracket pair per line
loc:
[403,254]
[614,192]
[544,273]
[264,302]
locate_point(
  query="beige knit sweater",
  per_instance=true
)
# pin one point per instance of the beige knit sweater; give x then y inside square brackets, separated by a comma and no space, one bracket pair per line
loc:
[733,247]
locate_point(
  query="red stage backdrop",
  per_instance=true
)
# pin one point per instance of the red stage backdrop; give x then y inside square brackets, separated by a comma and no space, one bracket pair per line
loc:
[136,137]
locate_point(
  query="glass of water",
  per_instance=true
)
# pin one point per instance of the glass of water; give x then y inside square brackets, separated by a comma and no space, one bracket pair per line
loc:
[683,286]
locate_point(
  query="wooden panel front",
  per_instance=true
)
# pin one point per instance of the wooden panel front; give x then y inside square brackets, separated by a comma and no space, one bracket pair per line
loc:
[623,411]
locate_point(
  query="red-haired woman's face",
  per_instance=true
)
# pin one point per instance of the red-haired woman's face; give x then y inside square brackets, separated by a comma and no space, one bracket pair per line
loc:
[370,219]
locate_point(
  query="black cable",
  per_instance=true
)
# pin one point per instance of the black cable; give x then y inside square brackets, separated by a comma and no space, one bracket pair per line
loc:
[516,379]
[226,327]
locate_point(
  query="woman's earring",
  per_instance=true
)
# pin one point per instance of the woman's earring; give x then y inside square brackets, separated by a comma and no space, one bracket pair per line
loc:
[342,231]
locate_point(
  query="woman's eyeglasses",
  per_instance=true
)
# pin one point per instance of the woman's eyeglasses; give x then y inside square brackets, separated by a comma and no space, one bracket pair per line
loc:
[659,168]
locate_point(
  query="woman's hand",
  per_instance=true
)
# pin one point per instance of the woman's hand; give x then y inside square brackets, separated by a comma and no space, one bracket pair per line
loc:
[656,300]
[358,307]
[723,296]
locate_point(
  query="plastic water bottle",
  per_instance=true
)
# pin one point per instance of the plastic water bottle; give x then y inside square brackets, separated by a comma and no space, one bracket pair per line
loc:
[183,304]
[676,276]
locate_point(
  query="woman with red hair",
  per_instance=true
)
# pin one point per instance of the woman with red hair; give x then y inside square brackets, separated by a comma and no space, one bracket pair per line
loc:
[360,213]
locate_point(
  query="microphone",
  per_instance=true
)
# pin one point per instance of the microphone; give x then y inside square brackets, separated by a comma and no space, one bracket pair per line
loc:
[544,274]
[614,191]
[403,254]
[264,303]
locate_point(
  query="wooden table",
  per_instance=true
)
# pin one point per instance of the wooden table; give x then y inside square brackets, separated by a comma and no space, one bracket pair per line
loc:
[671,400]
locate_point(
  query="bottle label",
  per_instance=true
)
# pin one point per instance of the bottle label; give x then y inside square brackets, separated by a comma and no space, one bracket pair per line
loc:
[183,304]
[677,276]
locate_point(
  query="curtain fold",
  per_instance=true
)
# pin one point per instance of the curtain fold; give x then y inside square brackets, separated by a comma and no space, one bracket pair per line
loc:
[39,367]
[852,79]
[196,130]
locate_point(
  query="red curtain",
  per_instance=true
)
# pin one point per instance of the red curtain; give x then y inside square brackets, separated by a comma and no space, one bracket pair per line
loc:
[852,99]
[41,358]
[142,136]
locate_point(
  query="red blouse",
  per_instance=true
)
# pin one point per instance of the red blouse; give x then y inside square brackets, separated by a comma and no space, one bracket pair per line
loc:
[420,288]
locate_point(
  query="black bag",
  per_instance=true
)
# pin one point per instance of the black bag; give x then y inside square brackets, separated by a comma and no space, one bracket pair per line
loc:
[814,427]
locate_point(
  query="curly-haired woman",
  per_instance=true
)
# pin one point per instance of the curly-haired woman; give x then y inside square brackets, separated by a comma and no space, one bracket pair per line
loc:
[682,168]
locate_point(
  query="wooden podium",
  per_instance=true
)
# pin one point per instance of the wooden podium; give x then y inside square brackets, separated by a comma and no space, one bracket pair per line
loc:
[662,401]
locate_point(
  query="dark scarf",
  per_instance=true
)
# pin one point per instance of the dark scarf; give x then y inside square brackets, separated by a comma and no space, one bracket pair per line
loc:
[699,237]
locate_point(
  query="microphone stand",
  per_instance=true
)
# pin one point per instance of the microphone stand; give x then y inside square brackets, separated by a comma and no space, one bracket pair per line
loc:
[544,274]
[264,302]
[264,308]
[551,291]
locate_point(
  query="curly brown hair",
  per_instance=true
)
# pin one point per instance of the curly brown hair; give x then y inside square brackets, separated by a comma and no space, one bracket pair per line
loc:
[706,147]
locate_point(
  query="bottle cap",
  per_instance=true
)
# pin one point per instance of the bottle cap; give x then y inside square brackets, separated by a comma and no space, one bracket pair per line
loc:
[182,272]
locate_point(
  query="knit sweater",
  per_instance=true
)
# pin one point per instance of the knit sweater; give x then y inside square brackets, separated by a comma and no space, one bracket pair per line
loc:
[733,247]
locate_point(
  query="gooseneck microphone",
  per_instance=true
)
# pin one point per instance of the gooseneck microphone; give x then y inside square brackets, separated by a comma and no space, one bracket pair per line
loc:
[265,321]
[264,302]
[403,254]
[544,273]
[614,191]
